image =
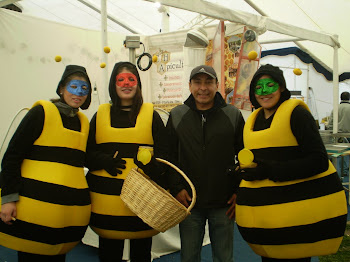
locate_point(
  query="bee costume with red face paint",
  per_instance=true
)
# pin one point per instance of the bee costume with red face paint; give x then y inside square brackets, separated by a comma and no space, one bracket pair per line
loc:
[287,209]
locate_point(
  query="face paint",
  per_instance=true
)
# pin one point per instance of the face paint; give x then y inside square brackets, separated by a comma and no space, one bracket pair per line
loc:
[78,87]
[266,86]
[126,79]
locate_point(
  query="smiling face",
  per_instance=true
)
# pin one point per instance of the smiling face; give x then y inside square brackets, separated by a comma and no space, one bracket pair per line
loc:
[267,94]
[76,91]
[126,86]
[203,88]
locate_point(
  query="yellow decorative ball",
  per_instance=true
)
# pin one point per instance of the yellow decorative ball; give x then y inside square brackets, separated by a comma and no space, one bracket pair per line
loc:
[245,156]
[103,65]
[252,55]
[154,58]
[144,156]
[297,71]
[58,58]
[106,49]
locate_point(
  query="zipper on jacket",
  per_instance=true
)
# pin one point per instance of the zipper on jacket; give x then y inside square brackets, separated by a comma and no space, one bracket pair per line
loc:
[204,120]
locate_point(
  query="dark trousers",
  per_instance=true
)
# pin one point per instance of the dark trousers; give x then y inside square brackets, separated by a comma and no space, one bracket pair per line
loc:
[28,257]
[111,250]
[267,259]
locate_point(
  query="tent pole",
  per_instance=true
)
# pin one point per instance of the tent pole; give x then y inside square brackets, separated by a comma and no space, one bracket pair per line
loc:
[335,89]
[104,43]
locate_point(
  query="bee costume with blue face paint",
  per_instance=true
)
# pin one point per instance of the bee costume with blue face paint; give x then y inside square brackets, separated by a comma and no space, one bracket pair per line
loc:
[43,176]
[292,205]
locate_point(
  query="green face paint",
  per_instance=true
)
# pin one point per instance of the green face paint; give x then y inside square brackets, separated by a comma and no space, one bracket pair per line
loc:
[266,86]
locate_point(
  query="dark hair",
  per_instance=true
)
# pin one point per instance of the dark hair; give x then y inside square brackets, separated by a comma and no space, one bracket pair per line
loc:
[64,82]
[345,96]
[137,100]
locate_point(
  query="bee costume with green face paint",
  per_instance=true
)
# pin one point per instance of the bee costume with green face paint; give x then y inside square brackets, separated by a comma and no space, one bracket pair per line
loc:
[295,207]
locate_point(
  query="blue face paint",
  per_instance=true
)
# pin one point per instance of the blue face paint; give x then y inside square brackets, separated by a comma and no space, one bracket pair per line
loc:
[78,87]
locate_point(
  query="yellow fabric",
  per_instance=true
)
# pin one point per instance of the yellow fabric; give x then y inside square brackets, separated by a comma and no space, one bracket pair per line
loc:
[279,216]
[140,134]
[48,214]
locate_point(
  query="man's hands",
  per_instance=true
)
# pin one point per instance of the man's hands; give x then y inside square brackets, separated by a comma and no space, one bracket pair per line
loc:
[232,209]
[184,198]
[8,212]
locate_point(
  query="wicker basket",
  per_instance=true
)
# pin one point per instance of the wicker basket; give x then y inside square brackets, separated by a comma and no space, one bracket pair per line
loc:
[152,203]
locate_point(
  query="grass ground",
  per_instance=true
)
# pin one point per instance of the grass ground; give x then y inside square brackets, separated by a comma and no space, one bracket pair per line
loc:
[343,254]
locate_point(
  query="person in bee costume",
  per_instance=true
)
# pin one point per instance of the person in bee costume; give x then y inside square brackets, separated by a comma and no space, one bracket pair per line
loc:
[290,204]
[45,201]
[117,131]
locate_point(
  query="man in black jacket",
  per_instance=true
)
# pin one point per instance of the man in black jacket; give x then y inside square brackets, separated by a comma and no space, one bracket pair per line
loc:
[205,136]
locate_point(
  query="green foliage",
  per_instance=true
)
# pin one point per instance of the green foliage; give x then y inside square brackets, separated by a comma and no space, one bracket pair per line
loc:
[343,253]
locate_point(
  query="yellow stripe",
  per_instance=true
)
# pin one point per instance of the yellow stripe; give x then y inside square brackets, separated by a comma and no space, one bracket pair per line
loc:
[59,174]
[291,214]
[293,251]
[109,205]
[112,234]
[269,183]
[52,215]
[35,247]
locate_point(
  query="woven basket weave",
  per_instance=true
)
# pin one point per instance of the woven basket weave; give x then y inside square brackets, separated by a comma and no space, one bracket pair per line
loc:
[152,203]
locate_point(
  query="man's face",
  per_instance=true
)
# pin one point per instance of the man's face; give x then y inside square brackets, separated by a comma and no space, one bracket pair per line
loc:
[203,88]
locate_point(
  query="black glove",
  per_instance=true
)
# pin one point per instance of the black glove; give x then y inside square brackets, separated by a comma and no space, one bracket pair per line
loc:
[234,170]
[260,172]
[151,169]
[114,166]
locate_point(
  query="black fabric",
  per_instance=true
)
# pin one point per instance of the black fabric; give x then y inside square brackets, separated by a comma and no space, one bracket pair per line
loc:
[277,74]
[111,250]
[56,194]
[21,145]
[309,233]
[72,69]
[28,257]
[104,185]
[268,259]
[38,233]
[118,223]
[204,144]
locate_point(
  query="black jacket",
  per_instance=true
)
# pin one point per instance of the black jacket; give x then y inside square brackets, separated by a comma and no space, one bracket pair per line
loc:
[204,144]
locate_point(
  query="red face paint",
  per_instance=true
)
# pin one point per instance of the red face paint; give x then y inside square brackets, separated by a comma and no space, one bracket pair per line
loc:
[126,80]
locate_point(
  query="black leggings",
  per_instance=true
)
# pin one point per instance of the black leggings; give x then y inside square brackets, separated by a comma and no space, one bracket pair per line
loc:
[111,250]
[28,257]
[267,259]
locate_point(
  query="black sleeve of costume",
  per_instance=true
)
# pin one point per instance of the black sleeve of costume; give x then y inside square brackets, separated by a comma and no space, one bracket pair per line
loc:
[160,149]
[313,158]
[20,145]
[93,155]
[176,181]
[239,145]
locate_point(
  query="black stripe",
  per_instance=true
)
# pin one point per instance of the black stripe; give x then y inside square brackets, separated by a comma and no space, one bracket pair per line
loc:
[64,155]
[52,236]
[126,150]
[305,190]
[326,229]
[118,223]
[104,185]
[55,194]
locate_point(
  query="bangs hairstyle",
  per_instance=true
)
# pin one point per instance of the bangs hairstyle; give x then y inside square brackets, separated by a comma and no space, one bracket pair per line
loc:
[137,100]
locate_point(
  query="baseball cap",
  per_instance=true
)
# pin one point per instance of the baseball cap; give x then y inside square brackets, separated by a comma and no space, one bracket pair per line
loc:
[203,69]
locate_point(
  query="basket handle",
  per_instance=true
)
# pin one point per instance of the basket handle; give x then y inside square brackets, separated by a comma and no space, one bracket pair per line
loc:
[194,194]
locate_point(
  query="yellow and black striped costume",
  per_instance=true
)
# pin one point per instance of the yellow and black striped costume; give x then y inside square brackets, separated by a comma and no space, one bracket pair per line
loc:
[293,219]
[110,218]
[54,207]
